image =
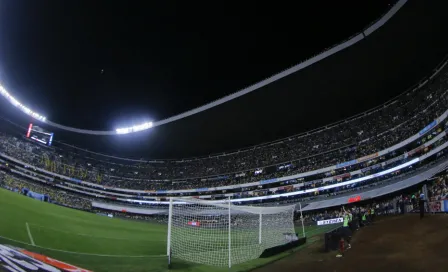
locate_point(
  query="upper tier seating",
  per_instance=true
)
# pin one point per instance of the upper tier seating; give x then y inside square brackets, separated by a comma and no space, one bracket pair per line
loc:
[347,140]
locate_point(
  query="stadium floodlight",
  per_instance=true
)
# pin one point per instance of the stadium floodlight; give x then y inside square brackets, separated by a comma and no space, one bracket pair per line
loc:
[132,129]
[19,105]
[354,39]
[224,234]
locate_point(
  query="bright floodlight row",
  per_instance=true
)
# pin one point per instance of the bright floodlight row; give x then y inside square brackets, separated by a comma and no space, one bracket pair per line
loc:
[19,105]
[134,128]
[333,50]
[42,118]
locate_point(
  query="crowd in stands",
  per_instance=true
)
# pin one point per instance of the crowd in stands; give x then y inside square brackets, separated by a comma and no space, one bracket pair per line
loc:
[345,141]
[396,204]
[156,218]
[55,195]
[367,184]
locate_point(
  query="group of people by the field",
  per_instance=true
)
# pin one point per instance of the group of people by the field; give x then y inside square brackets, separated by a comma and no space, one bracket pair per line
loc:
[362,215]
[343,142]
[397,204]
[438,195]
[384,207]
[439,190]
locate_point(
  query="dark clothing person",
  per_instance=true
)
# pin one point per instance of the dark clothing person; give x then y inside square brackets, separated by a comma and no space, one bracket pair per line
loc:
[421,204]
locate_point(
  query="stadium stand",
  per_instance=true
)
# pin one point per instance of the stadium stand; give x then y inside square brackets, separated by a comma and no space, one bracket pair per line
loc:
[347,140]
[398,140]
[374,165]
[437,188]
[429,140]
[342,142]
[59,197]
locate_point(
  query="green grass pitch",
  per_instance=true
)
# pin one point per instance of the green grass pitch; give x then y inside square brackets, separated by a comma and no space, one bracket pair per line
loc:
[95,242]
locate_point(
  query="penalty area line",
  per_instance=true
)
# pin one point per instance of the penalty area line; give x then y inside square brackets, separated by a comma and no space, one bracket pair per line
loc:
[29,234]
[92,236]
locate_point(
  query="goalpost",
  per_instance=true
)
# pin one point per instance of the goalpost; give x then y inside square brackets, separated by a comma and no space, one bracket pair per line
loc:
[224,234]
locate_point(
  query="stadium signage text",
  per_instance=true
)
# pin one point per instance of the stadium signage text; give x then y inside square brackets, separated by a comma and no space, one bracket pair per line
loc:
[330,221]
[354,199]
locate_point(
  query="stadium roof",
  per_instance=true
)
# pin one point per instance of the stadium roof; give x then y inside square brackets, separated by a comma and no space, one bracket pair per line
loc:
[378,68]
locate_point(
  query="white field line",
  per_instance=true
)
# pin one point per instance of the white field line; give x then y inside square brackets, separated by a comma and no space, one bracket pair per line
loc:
[94,236]
[85,254]
[29,234]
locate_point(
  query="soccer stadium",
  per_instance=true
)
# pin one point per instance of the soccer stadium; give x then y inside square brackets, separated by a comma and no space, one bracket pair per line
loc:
[365,192]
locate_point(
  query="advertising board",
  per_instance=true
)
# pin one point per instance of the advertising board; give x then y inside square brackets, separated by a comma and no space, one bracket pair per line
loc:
[13,259]
[330,221]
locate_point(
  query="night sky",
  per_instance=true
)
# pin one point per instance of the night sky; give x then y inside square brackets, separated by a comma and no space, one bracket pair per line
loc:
[106,64]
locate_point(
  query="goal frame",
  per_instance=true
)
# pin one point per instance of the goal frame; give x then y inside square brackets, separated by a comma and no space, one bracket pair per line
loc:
[229,225]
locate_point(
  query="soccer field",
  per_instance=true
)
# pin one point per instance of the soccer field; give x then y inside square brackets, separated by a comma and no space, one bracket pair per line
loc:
[90,241]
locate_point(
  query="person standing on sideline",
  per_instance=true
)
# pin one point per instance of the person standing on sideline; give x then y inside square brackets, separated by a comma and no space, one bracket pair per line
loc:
[346,233]
[350,221]
[421,204]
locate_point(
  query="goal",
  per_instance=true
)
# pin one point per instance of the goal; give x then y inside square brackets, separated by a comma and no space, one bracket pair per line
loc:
[223,234]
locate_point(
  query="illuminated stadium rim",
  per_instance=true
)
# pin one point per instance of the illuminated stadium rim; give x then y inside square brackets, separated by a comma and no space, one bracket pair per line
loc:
[126,130]
[331,186]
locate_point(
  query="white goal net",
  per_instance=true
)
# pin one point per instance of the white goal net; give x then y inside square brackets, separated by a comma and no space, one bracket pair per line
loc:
[226,234]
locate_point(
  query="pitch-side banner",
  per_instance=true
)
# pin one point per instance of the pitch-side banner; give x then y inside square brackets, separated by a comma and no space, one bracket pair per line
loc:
[330,221]
[194,223]
[14,259]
